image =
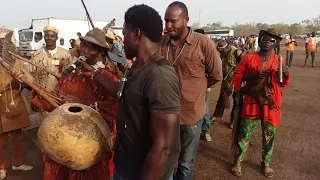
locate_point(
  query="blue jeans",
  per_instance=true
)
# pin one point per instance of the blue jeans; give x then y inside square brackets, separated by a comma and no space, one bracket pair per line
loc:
[116,176]
[190,138]
[206,118]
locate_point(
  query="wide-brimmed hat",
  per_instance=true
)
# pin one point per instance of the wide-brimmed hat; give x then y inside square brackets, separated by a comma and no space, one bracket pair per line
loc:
[270,32]
[109,34]
[77,43]
[95,36]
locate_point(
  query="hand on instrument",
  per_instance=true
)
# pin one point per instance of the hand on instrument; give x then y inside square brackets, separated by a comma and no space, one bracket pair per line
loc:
[129,63]
[255,76]
[22,76]
[262,74]
[88,70]
[285,71]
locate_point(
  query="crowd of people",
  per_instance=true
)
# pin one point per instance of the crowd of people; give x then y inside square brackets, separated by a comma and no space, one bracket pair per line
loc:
[163,109]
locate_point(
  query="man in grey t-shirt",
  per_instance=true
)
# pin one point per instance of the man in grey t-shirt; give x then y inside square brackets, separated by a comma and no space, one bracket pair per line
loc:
[148,135]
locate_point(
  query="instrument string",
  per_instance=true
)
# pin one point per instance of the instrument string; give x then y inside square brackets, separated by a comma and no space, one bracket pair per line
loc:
[37,83]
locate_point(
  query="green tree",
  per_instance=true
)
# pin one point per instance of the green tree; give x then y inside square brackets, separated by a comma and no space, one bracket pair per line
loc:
[215,26]
[195,26]
[281,28]
[244,29]
[296,29]
[262,26]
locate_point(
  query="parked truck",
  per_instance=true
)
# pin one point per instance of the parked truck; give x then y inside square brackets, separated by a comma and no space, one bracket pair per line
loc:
[32,39]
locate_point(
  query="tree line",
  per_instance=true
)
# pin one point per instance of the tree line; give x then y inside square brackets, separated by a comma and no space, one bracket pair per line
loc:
[304,27]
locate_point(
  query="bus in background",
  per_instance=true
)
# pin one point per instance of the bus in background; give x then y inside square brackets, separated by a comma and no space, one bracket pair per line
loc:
[219,34]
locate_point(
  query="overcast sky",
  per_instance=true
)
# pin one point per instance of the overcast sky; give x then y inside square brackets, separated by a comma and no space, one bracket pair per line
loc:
[18,13]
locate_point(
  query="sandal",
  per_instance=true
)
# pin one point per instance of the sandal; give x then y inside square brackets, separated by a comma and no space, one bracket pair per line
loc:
[267,171]
[236,170]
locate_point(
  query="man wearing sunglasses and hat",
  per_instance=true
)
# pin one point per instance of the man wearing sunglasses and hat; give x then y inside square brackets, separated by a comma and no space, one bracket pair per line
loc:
[230,57]
[262,99]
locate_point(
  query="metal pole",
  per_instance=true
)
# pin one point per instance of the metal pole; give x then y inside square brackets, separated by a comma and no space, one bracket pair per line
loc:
[89,17]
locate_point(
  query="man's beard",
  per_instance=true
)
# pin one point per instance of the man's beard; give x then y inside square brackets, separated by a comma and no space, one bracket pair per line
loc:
[175,37]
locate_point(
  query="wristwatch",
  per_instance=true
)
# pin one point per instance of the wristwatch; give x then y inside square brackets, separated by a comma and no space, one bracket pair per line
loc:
[95,74]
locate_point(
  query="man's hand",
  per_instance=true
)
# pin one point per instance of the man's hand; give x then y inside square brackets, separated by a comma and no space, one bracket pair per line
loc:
[262,74]
[88,70]
[22,76]
[128,64]
[285,71]
[255,76]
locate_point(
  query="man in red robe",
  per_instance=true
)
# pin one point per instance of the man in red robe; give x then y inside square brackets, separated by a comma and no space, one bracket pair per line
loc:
[77,88]
[260,106]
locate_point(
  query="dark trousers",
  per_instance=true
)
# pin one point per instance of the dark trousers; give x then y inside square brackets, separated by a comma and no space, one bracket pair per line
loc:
[311,53]
[206,118]
[289,58]
[235,113]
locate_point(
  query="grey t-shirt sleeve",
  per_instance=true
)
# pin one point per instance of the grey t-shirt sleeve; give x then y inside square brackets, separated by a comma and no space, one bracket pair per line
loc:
[163,91]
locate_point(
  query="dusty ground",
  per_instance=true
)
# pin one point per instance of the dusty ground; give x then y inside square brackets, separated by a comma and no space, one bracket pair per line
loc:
[297,150]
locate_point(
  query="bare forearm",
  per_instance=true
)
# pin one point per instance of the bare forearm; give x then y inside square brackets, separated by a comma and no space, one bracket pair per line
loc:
[155,163]
[109,85]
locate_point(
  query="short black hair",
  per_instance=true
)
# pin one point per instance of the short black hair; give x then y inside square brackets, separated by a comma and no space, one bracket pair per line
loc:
[201,31]
[146,19]
[181,5]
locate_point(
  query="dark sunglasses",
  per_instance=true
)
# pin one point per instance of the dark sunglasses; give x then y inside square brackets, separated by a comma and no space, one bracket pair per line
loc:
[273,41]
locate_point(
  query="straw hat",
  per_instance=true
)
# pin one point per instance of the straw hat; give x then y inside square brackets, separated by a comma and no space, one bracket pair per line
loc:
[109,34]
[51,28]
[77,44]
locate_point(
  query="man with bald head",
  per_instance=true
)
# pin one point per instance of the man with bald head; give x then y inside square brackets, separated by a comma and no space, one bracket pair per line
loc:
[198,65]
[230,57]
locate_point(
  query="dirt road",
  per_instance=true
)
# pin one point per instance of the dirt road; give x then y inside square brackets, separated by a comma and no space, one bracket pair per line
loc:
[297,150]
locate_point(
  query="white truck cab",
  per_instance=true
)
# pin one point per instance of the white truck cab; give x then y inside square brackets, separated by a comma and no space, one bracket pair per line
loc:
[30,40]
